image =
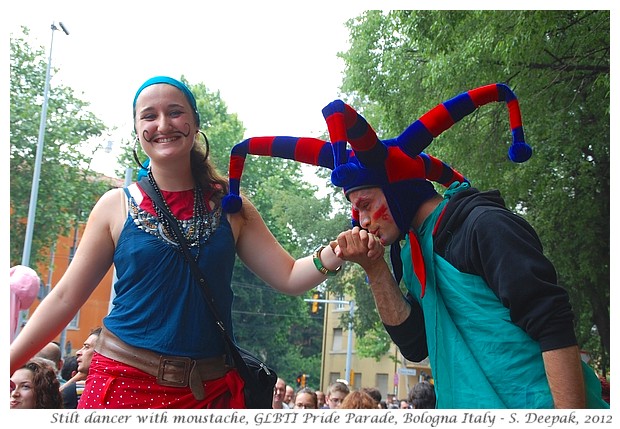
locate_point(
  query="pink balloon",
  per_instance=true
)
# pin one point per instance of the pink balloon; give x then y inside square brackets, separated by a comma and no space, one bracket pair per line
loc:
[24,284]
[24,289]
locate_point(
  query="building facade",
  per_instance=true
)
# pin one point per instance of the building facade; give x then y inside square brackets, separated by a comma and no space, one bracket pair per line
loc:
[393,375]
[94,309]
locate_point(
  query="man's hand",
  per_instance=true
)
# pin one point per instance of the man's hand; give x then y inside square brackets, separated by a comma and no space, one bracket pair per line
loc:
[357,245]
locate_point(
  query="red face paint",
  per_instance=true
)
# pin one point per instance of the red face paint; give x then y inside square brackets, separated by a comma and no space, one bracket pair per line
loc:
[381,213]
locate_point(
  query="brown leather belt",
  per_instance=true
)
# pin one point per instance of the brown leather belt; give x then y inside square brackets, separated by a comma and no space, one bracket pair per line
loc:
[177,371]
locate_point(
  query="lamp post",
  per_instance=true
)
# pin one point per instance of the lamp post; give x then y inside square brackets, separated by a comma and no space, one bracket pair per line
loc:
[351,305]
[39,156]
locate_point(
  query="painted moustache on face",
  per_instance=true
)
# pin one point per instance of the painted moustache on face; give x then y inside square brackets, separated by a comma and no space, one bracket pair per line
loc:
[150,140]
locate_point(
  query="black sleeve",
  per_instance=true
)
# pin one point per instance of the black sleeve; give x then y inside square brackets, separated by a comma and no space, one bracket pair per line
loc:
[69,397]
[410,336]
[506,251]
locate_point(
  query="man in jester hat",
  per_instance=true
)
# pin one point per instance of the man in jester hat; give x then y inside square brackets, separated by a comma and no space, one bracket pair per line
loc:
[482,301]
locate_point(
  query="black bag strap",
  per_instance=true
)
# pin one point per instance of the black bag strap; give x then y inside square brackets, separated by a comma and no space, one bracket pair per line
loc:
[197,272]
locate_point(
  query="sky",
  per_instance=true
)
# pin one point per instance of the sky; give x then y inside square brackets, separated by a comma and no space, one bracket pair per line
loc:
[275,67]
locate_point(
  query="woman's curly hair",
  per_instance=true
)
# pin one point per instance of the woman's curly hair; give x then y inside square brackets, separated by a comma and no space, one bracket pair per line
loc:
[45,383]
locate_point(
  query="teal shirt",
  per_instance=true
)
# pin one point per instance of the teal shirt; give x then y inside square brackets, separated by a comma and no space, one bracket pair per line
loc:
[479,358]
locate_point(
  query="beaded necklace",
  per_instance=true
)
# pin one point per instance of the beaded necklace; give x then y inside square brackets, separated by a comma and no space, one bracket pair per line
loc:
[196,223]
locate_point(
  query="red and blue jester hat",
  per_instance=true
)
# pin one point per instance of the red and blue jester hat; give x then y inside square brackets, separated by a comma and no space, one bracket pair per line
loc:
[398,166]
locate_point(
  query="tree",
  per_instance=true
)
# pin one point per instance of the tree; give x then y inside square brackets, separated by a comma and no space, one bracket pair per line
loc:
[403,63]
[67,187]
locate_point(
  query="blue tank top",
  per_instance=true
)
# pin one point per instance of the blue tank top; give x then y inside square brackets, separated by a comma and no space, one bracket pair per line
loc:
[159,306]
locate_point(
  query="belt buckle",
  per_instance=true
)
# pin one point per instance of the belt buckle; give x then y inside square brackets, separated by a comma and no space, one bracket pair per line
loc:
[171,367]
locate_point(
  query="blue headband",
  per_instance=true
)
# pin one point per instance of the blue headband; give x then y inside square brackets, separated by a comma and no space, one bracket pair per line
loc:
[177,84]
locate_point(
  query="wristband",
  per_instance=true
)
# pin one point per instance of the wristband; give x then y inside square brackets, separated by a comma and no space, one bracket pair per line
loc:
[316,257]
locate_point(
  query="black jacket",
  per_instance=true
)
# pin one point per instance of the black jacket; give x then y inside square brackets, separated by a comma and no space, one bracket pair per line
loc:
[478,235]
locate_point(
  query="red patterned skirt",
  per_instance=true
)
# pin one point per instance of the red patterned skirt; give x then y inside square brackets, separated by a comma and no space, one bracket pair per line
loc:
[113,384]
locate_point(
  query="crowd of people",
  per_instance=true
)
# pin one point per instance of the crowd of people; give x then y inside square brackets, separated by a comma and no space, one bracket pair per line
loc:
[340,396]
[458,265]
[47,381]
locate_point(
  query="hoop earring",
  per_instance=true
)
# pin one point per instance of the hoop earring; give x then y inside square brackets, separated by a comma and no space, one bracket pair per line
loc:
[207,148]
[135,154]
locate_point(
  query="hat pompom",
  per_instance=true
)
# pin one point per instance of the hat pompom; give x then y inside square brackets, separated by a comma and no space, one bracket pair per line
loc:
[345,175]
[231,203]
[519,152]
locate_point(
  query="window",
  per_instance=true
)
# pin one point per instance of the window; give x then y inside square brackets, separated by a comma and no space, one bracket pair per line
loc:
[333,376]
[340,306]
[381,382]
[337,343]
[75,322]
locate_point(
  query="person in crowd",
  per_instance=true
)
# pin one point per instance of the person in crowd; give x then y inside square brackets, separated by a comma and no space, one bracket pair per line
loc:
[605,389]
[69,395]
[305,398]
[156,302]
[35,385]
[320,399]
[74,387]
[374,394]
[289,396]
[474,271]
[53,352]
[278,395]
[422,395]
[358,399]
[336,393]
[69,367]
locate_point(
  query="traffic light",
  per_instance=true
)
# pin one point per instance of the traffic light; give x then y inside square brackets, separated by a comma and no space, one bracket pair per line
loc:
[302,380]
[315,305]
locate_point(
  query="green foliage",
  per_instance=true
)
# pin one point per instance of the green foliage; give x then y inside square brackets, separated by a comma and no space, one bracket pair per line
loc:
[403,63]
[374,344]
[66,190]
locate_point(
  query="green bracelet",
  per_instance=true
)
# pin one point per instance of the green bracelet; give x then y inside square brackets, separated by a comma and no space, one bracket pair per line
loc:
[316,257]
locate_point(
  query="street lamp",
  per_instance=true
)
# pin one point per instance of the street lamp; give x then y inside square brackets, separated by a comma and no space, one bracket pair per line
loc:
[39,156]
[351,305]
